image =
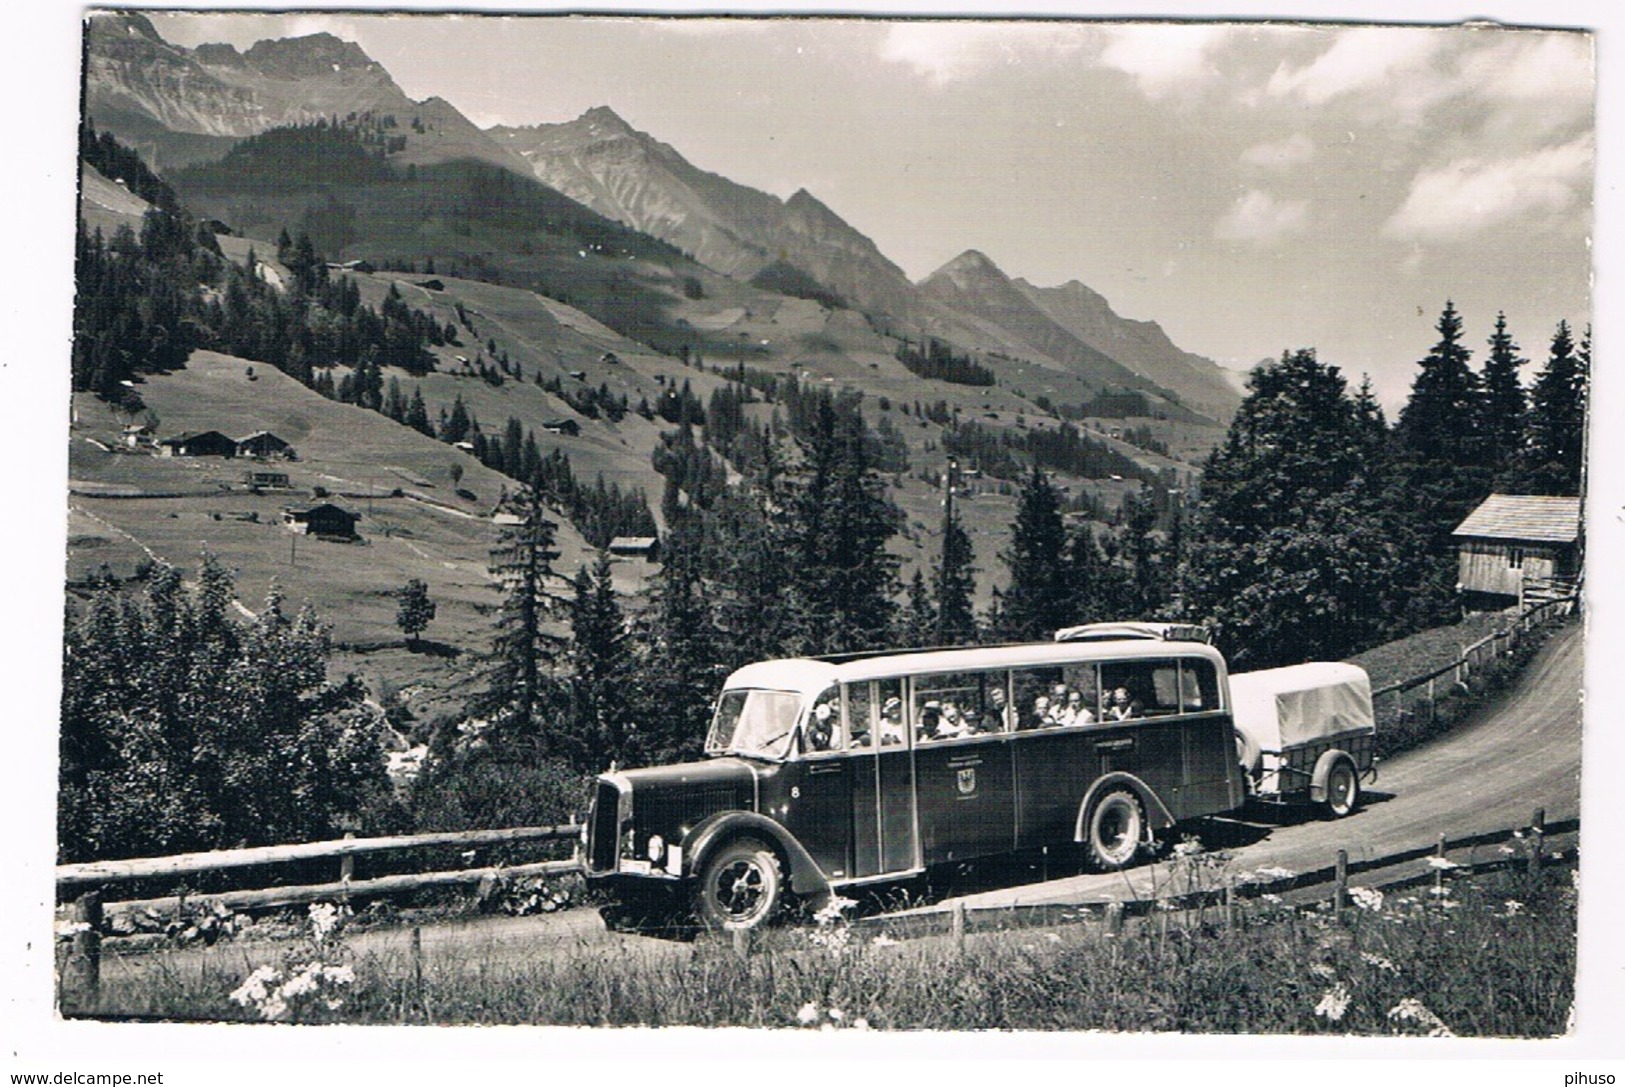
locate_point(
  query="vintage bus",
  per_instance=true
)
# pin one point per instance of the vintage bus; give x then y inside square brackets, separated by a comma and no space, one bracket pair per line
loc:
[825,774]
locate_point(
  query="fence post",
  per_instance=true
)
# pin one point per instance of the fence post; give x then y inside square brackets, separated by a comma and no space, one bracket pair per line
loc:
[82,974]
[958,929]
[1340,892]
[346,870]
[417,964]
[1537,835]
[1433,706]
[1229,901]
[1114,918]
[742,942]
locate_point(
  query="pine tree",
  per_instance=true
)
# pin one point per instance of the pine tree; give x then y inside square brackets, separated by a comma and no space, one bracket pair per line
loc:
[1440,423]
[953,583]
[1555,460]
[680,667]
[600,670]
[522,561]
[1504,404]
[918,618]
[1038,599]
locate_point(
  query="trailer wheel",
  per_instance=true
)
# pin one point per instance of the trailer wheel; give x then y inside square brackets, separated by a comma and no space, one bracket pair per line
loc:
[1247,752]
[1342,789]
[741,887]
[1115,826]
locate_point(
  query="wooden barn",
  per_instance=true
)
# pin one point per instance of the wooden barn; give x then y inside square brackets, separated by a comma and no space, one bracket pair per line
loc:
[562,426]
[262,443]
[637,547]
[206,443]
[1518,548]
[324,520]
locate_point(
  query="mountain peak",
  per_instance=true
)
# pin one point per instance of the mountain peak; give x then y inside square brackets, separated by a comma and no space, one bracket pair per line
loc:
[602,117]
[132,23]
[972,262]
[301,58]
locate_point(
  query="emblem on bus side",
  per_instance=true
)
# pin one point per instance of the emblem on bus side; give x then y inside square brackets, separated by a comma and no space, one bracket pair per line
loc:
[967,781]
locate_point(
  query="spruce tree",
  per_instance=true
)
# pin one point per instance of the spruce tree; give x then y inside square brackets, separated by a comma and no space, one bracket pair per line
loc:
[1504,404]
[600,670]
[953,584]
[1038,598]
[517,697]
[1555,460]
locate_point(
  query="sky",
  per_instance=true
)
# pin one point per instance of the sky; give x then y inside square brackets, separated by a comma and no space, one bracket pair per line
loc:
[1254,187]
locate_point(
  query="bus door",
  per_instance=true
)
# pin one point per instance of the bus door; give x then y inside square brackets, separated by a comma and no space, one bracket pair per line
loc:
[1057,713]
[962,764]
[1146,730]
[883,824]
[819,788]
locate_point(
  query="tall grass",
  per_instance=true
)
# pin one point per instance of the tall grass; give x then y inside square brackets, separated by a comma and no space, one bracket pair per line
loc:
[1491,956]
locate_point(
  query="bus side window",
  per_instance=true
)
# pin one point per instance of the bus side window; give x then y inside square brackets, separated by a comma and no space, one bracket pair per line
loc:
[823,731]
[1199,684]
[859,716]
[1034,697]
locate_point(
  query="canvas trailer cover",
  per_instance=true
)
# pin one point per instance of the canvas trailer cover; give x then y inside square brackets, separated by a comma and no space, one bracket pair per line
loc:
[1284,708]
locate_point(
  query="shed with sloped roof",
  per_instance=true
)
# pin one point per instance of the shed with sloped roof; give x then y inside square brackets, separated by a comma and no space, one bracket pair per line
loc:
[1515,547]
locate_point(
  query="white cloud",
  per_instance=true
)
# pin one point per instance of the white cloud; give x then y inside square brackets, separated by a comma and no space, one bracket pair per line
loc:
[1294,150]
[1361,58]
[1471,195]
[946,50]
[1163,58]
[1259,217]
[1539,81]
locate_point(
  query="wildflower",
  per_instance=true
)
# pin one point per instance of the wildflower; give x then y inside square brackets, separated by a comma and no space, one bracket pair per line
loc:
[1574,878]
[1411,1010]
[253,989]
[1333,1003]
[860,1023]
[1275,873]
[324,920]
[1385,965]
[837,1014]
[1506,851]
[834,910]
[1367,898]
[1439,892]
[1321,970]
[1166,904]
[1053,937]
[808,1014]
[1190,847]
[1442,864]
[1272,899]
[1513,907]
[884,941]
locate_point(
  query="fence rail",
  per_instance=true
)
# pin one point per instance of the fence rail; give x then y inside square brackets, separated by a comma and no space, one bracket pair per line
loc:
[1471,659]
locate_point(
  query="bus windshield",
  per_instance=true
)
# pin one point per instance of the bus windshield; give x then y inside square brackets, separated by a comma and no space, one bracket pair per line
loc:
[753,722]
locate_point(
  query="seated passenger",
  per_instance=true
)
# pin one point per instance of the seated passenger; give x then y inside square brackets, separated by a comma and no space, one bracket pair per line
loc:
[823,730]
[1123,706]
[998,717]
[1040,716]
[1081,714]
[891,722]
[929,724]
[952,725]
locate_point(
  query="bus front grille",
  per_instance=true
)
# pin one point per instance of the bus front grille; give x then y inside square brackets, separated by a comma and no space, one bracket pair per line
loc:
[604,830]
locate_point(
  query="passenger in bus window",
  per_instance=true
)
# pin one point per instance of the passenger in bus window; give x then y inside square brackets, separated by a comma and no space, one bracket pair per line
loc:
[891,722]
[1124,705]
[1041,717]
[1080,714]
[952,724]
[823,731]
[929,723]
[998,717]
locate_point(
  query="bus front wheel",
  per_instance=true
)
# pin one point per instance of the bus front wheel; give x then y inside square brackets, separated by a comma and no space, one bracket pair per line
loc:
[1115,826]
[741,887]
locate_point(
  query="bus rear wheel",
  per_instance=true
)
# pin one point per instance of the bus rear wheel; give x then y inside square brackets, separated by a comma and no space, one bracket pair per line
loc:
[741,887]
[1114,828]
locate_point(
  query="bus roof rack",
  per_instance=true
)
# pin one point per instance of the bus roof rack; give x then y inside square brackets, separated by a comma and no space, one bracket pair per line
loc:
[1108,632]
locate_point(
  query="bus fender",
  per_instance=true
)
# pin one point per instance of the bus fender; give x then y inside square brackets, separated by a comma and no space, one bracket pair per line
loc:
[1158,817]
[806,879]
[1323,771]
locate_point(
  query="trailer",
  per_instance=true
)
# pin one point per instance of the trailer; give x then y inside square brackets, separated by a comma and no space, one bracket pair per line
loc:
[1306,733]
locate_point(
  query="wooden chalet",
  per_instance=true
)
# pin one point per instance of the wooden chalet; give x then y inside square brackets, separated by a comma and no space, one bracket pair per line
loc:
[1518,549]
[264,478]
[262,443]
[205,443]
[562,426]
[327,520]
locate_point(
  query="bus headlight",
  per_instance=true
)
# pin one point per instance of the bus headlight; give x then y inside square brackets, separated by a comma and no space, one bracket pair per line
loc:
[657,848]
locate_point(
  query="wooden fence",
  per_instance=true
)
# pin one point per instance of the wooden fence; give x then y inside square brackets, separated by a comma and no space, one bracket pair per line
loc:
[1422,693]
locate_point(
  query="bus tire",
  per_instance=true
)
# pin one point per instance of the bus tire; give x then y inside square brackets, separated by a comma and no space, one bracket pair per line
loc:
[1342,789]
[741,886]
[1114,829]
